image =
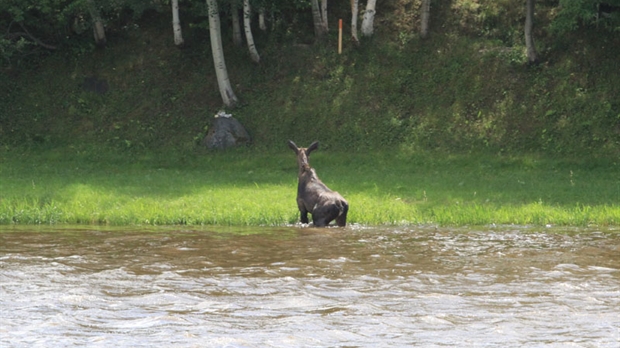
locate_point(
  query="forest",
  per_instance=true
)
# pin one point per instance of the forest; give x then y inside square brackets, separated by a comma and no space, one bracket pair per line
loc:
[451,75]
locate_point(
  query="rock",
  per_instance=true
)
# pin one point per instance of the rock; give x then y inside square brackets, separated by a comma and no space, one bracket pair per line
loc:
[225,131]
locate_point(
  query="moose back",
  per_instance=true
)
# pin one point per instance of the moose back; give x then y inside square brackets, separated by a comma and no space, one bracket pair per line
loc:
[313,196]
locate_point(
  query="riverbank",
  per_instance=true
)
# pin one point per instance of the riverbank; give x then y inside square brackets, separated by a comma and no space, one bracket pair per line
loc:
[243,187]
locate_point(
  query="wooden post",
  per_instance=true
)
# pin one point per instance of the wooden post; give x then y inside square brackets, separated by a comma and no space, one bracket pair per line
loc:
[339,36]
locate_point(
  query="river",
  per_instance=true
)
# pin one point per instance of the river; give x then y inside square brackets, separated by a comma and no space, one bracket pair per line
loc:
[306,287]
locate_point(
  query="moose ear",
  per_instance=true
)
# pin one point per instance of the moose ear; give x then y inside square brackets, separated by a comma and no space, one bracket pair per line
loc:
[292,145]
[312,147]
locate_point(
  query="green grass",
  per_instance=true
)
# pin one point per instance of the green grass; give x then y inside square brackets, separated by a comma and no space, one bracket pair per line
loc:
[249,187]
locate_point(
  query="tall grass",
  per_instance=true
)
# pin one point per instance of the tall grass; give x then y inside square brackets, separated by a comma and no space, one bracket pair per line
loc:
[243,187]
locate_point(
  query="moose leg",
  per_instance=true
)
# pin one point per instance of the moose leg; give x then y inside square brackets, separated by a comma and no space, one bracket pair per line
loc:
[303,212]
[304,216]
[341,220]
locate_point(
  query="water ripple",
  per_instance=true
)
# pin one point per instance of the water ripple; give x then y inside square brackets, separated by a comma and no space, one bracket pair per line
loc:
[358,287]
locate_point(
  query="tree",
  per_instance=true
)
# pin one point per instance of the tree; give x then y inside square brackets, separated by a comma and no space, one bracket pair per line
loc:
[228,96]
[235,24]
[319,17]
[532,56]
[261,19]
[98,27]
[324,14]
[369,18]
[247,12]
[425,18]
[572,13]
[354,15]
[176,24]
[26,26]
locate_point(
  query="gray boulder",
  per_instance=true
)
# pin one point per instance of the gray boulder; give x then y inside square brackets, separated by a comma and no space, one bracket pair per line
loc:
[225,131]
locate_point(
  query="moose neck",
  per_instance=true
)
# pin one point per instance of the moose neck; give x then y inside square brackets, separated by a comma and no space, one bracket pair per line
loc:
[302,162]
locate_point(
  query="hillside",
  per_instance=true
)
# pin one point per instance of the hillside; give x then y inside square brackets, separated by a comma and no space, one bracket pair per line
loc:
[466,88]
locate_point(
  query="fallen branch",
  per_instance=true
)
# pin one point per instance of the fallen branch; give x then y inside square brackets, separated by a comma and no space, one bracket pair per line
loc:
[26,33]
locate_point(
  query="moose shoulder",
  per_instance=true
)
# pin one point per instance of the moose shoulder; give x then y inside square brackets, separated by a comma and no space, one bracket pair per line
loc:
[313,196]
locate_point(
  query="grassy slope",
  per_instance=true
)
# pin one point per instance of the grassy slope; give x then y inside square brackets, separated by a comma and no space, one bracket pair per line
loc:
[460,91]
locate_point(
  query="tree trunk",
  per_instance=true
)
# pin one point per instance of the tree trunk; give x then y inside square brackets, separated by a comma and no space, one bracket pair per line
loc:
[369,18]
[532,56]
[228,96]
[176,24]
[324,15]
[236,25]
[98,28]
[247,12]
[319,27]
[261,19]
[354,15]
[424,18]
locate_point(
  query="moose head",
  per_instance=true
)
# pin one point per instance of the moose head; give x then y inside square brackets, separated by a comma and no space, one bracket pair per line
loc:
[313,196]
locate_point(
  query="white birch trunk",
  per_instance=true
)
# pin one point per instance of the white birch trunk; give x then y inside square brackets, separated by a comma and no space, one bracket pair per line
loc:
[98,28]
[228,96]
[324,15]
[354,15]
[532,56]
[369,18]
[237,40]
[425,18]
[247,12]
[261,19]
[176,24]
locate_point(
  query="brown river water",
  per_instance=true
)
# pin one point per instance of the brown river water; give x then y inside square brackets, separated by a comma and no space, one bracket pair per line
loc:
[305,287]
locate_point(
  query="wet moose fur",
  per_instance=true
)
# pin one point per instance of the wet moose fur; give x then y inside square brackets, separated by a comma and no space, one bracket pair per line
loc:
[313,196]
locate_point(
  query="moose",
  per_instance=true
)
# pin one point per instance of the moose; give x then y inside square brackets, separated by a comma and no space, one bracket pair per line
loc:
[313,196]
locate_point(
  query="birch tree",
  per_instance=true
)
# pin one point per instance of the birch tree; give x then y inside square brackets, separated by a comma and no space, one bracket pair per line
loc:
[98,28]
[261,19]
[235,24]
[369,18]
[532,56]
[176,24]
[425,18]
[247,12]
[324,14]
[319,17]
[228,96]
[354,15]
